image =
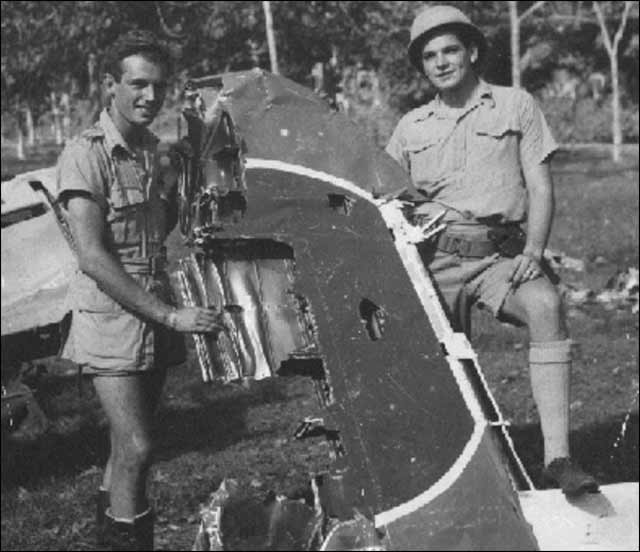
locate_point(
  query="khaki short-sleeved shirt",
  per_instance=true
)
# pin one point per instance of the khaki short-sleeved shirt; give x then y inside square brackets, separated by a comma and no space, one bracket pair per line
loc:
[122,181]
[471,160]
[104,337]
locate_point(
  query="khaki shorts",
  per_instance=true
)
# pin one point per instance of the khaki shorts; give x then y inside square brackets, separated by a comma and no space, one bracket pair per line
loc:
[483,281]
[106,339]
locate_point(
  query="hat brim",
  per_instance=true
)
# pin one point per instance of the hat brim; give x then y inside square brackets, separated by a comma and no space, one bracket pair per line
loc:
[474,34]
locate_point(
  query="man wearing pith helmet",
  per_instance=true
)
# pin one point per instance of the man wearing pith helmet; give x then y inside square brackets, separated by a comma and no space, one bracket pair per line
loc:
[480,155]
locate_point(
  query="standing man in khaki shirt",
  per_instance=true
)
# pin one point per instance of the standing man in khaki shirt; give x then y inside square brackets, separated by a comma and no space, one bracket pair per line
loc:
[480,154]
[120,212]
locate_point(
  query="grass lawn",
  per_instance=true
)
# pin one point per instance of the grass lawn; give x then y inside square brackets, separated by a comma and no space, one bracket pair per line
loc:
[207,432]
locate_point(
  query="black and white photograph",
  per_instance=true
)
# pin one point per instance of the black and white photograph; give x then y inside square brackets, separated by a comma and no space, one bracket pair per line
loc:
[320,275]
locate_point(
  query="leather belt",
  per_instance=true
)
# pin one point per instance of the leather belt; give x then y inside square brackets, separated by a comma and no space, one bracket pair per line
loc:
[136,266]
[153,265]
[464,246]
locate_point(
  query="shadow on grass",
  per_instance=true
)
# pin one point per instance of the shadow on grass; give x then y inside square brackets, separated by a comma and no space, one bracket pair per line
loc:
[216,421]
[25,462]
[214,418]
[592,446]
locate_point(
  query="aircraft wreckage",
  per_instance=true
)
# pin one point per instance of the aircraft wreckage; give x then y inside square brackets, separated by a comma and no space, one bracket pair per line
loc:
[297,233]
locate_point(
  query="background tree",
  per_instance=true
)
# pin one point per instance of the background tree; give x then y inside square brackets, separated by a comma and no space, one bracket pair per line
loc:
[612,47]
[515,20]
[50,46]
[273,53]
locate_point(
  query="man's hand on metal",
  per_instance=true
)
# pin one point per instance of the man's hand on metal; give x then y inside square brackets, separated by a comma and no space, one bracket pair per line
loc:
[526,267]
[195,320]
[432,228]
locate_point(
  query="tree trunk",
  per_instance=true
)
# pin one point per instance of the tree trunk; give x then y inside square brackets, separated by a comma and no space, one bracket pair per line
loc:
[271,41]
[31,132]
[20,145]
[514,26]
[616,128]
[57,119]
[515,44]
[612,49]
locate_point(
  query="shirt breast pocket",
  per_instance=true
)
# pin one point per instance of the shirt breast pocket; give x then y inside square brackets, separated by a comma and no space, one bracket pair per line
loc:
[496,128]
[127,217]
[424,156]
[496,143]
[125,202]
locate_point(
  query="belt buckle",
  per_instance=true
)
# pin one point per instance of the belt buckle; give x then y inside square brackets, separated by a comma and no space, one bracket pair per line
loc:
[456,243]
[464,248]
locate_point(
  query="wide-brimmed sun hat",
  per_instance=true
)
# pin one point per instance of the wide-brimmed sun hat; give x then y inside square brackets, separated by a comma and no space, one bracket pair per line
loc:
[437,19]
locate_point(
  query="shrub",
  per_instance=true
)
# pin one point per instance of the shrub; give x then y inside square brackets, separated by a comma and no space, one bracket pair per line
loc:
[586,120]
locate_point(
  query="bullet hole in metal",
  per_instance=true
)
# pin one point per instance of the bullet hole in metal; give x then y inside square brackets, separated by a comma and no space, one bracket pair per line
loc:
[341,203]
[233,205]
[373,317]
[247,249]
[312,367]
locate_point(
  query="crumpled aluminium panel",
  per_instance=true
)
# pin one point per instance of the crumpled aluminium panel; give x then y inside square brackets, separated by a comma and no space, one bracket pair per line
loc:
[264,320]
[422,459]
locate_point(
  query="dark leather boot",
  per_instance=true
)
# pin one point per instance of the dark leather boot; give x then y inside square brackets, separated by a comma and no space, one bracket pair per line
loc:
[144,530]
[102,503]
[570,477]
[126,535]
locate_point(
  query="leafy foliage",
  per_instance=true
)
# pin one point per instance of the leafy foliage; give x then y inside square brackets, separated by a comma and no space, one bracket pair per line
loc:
[45,44]
[587,120]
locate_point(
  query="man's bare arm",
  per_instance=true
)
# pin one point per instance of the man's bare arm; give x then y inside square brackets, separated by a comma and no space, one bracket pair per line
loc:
[541,207]
[88,229]
[540,216]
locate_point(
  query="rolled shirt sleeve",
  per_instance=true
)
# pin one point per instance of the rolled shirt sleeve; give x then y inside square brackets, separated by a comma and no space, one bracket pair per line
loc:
[79,170]
[396,147]
[537,143]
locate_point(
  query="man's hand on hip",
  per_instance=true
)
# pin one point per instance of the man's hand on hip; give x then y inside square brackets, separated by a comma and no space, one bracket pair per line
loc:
[525,267]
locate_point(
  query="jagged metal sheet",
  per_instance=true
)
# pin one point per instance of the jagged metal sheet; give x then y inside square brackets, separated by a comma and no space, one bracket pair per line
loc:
[419,457]
[280,119]
[399,411]
[261,315]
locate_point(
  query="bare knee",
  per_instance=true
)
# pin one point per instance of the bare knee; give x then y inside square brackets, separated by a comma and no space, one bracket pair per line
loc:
[538,305]
[134,452]
[543,302]
[543,308]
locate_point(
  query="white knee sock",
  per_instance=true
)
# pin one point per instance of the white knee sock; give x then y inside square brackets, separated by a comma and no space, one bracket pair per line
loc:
[127,520]
[550,368]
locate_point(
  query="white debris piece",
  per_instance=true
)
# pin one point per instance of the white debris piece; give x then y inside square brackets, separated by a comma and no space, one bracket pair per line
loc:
[209,535]
[620,292]
[622,289]
[557,260]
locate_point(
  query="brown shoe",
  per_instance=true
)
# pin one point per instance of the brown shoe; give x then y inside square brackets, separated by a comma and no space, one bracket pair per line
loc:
[570,477]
